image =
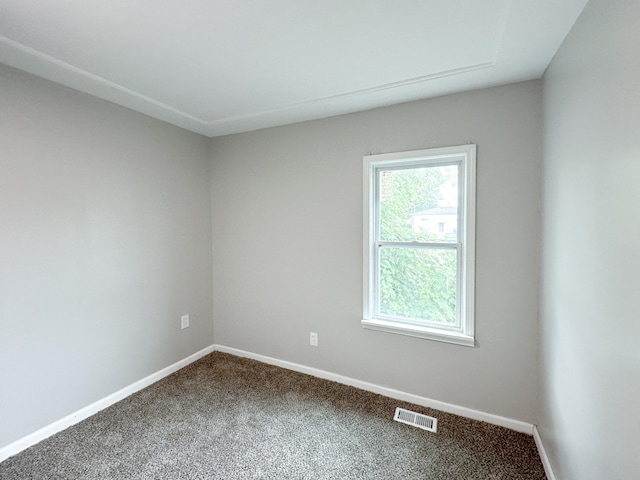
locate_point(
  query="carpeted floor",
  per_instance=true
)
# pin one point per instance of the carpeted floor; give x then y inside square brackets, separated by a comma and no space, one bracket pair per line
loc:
[225,417]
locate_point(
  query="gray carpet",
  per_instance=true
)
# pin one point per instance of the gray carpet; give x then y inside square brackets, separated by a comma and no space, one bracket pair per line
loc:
[225,417]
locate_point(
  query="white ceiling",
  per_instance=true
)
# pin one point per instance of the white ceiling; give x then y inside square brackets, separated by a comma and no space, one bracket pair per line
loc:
[225,66]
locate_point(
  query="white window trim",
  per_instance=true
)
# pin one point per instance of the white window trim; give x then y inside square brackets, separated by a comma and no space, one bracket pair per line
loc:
[465,335]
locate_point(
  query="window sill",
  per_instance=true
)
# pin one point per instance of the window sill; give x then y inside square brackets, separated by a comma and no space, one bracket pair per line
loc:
[420,332]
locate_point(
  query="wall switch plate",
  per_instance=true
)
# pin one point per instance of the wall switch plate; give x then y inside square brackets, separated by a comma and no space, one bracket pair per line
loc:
[184,321]
[313,339]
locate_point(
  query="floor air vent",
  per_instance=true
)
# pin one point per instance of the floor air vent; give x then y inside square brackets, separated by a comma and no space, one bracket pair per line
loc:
[415,419]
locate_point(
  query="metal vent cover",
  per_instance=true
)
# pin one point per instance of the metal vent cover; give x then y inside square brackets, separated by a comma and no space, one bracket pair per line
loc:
[416,419]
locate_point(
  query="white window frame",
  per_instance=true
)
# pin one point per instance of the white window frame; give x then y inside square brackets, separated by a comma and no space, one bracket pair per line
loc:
[465,156]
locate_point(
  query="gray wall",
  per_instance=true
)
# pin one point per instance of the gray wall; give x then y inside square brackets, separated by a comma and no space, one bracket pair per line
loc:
[287,256]
[105,239]
[590,319]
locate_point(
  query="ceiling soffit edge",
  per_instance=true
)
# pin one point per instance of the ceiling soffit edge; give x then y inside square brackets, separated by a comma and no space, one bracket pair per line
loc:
[38,63]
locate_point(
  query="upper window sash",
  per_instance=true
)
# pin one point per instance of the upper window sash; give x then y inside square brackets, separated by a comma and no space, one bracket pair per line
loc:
[404,164]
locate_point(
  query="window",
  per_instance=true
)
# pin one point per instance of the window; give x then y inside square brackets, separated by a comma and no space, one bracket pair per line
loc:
[419,243]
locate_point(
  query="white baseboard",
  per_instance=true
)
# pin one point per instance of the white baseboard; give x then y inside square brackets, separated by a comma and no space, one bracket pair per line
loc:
[543,455]
[76,417]
[516,425]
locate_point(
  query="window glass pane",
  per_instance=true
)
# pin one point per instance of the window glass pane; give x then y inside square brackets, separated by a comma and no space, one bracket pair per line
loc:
[419,204]
[418,283]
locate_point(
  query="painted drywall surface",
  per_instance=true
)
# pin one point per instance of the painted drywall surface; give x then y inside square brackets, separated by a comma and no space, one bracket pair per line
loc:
[287,247]
[105,240]
[590,360]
